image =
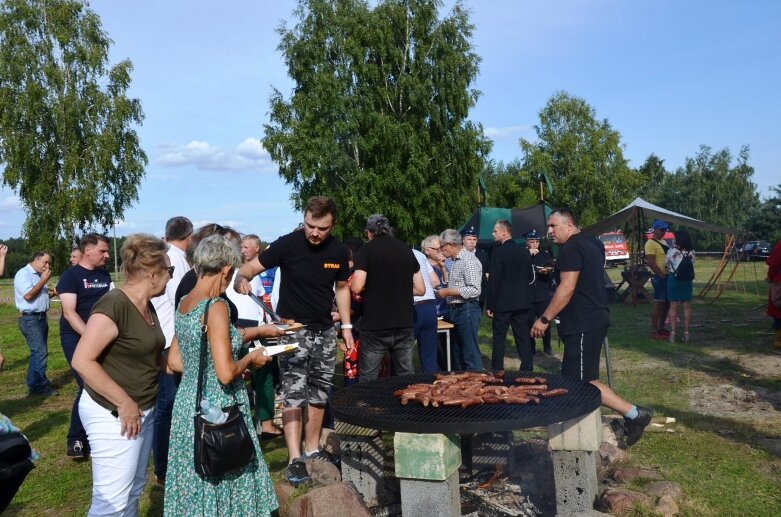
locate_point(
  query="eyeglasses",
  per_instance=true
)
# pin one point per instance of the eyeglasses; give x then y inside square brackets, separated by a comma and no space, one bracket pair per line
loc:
[433,248]
[170,270]
[446,244]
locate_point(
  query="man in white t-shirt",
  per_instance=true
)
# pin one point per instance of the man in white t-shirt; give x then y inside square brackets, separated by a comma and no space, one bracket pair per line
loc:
[178,234]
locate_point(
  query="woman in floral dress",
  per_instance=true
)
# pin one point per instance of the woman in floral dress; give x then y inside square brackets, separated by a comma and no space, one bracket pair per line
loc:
[248,491]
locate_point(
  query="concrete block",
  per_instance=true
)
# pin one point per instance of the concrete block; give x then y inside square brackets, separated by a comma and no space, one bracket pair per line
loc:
[363,458]
[578,434]
[426,456]
[575,475]
[422,498]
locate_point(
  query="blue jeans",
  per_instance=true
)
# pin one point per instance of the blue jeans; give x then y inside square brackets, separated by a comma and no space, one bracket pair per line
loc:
[466,318]
[76,430]
[426,334]
[164,406]
[35,329]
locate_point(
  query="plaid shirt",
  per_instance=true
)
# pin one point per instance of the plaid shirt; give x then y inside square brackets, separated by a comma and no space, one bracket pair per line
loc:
[466,276]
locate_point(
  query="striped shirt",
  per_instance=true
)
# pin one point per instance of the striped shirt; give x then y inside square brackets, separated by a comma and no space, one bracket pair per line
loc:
[466,276]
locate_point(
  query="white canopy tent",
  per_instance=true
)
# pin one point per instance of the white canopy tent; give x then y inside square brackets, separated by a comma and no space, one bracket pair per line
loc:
[640,214]
[641,210]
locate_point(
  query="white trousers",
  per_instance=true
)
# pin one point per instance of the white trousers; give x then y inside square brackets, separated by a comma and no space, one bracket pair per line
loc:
[118,465]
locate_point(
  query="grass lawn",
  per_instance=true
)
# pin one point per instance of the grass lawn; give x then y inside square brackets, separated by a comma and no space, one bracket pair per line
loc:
[726,458]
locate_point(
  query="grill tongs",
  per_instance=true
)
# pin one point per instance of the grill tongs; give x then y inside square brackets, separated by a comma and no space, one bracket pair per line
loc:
[273,315]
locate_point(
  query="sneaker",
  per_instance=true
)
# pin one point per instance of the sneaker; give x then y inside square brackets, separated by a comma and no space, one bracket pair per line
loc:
[76,450]
[549,353]
[636,426]
[48,391]
[323,456]
[296,473]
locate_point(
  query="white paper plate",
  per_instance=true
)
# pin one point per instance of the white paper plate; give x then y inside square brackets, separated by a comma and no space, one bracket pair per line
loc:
[278,349]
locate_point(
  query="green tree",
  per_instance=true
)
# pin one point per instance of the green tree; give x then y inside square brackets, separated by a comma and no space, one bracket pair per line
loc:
[378,115]
[583,157]
[764,222]
[710,188]
[509,185]
[67,142]
[654,176]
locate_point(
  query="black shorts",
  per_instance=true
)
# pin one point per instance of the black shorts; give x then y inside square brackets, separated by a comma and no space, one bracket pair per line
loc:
[581,354]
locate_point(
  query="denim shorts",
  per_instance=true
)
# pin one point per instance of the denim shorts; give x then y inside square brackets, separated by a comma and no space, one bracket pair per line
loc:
[660,288]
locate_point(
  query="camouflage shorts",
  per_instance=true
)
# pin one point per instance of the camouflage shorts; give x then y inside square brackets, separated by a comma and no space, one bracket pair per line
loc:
[307,373]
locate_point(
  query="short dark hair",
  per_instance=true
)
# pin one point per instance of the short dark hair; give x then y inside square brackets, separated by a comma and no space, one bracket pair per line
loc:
[566,213]
[320,206]
[40,253]
[507,225]
[178,228]
[683,240]
[91,239]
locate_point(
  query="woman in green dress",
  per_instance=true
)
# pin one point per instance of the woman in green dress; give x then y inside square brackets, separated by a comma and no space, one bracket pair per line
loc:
[248,491]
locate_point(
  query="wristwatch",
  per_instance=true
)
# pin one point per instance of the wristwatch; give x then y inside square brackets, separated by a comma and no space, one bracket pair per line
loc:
[544,320]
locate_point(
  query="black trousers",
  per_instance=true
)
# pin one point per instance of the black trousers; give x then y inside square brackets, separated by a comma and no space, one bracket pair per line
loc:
[519,321]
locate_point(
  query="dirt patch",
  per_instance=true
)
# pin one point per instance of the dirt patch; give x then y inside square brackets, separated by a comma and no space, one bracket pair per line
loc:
[760,365]
[726,400]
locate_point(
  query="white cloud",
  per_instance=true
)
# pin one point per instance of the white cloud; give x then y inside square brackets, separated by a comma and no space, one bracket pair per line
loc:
[249,155]
[500,133]
[10,204]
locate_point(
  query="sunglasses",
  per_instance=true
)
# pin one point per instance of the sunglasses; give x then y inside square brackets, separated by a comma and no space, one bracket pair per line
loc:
[170,270]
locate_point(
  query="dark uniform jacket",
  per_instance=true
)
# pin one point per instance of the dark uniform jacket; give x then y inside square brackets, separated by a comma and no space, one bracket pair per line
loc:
[511,274]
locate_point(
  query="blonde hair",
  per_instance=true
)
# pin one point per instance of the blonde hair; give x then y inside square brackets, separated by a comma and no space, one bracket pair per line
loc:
[140,253]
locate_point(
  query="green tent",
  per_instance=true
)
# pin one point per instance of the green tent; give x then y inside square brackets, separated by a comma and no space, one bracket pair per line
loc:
[523,221]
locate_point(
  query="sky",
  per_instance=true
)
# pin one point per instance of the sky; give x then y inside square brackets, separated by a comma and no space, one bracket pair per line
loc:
[669,75]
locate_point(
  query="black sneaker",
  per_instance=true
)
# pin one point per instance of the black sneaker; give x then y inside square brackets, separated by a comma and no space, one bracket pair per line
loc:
[636,426]
[324,456]
[48,391]
[296,473]
[77,450]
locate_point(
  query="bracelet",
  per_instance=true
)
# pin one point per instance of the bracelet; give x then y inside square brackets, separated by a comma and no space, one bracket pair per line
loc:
[347,326]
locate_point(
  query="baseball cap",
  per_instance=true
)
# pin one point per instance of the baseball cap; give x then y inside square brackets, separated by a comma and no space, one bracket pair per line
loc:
[375,221]
[660,225]
[532,235]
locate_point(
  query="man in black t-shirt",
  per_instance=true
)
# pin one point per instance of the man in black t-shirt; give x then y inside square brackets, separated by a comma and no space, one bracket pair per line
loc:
[580,301]
[311,262]
[388,274]
[79,288]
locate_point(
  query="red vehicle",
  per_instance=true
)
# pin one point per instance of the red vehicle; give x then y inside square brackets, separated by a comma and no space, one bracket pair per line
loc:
[616,247]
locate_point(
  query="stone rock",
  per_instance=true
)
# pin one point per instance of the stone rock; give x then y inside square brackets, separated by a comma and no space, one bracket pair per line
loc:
[323,473]
[335,500]
[609,453]
[612,427]
[624,475]
[329,442]
[667,506]
[620,501]
[283,490]
[607,458]
[664,488]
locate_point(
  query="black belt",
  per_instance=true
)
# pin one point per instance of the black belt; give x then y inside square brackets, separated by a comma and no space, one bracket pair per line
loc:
[459,304]
[32,313]
[423,302]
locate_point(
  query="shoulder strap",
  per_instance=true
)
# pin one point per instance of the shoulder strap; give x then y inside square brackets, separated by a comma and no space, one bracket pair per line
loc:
[201,367]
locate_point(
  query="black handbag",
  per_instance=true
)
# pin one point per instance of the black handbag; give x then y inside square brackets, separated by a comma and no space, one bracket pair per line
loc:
[225,447]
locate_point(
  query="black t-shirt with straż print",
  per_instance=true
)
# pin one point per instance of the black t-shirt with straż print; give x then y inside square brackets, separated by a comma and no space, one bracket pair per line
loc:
[306,292]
